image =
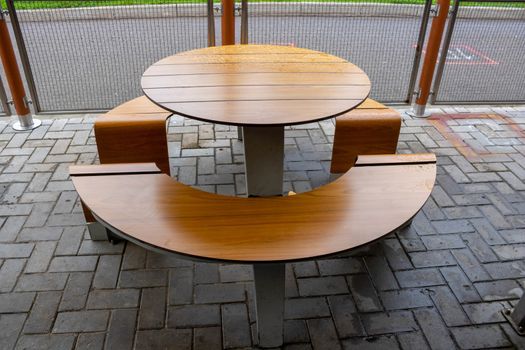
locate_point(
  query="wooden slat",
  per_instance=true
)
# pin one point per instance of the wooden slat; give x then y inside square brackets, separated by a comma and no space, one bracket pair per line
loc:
[231,68]
[244,49]
[139,106]
[253,79]
[250,58]
[287,112]
[256,93]
[363,205]
[108,169]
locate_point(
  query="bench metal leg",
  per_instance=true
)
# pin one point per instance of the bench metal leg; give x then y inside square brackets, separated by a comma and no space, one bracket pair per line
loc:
[516,316]
[239,133]
[264,160]
[97,231]
[269,303]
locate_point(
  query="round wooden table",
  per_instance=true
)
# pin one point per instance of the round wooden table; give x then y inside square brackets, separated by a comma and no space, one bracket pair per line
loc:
[261,88]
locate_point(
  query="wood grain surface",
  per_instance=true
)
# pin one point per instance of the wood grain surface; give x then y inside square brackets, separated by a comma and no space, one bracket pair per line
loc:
[363,205]
[256,85]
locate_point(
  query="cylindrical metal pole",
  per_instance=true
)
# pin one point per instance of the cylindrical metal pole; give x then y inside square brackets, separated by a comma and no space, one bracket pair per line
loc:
[211,24]
[228,22]
[244,22]
[431,56]
[14,80]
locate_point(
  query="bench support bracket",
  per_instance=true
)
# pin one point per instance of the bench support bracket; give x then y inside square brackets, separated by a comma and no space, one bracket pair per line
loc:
[516,316]
[269,302]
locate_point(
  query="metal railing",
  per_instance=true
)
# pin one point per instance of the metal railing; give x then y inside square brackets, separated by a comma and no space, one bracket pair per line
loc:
[384,39]
[485,54]
[4,104]
[91,58]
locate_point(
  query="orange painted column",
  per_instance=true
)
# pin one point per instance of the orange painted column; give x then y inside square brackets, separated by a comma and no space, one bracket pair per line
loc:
[431,57]
[14,80]
[228,22]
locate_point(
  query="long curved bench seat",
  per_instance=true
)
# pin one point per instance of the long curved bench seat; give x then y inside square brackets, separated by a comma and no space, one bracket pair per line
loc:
[373,199]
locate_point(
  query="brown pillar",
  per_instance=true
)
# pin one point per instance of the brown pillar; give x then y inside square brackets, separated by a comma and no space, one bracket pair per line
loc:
[228,22]
[14,80]
[431,57]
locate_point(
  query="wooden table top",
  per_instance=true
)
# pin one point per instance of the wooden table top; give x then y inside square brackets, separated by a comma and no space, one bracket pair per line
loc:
[368,202]
[256,85]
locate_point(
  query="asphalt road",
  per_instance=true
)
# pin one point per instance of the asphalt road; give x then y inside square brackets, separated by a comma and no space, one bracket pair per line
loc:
[97,64]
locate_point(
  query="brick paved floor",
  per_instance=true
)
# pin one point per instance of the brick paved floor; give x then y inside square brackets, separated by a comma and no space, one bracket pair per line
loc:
[439,284]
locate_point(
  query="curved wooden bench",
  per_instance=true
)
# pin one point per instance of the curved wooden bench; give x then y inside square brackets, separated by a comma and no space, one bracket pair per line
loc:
[363,205]
[133,132]
[372,128]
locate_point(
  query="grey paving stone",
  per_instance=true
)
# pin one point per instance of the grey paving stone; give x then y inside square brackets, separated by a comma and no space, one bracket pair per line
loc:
[76,291]
[184,316]
[323,333]
[11,228]
[499,290]
[113,298]
[73,263]
[448,307]
[206,273]
[405,299]
[181,286]
[81,321]
[143,278]
[306,308]
[152,308]
[208,338]
[383,342]
[235,273]
[16,302]
[70,241]
[489,336]
[10,270]
[134,257]
[506,270]
[472,268]
[322,286]
[392,322]
[295,331]
[485,312]
[460,284]
[46,341]
[219,293]
[305,269]
[432,258]
[158,339]
[380,272]
[121,330]
[412,340]
[434,330]
[344,266]
[43,313]
[15,250]
[235,328]
[107,272]
[41,282]
[364,293]
[419,278]
[40,258]
[345,316]
[11,325]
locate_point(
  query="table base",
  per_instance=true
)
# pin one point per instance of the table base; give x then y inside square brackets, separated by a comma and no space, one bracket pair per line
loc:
[269,303]
[264,160]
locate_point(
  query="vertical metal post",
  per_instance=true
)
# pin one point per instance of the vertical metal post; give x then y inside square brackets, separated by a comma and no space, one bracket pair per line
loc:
[3,99]
[244,22]
[211,24]
[228,22]
[14,80]
[444,50]
[431,56]
[269,303]
[419,49]
[516,316]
